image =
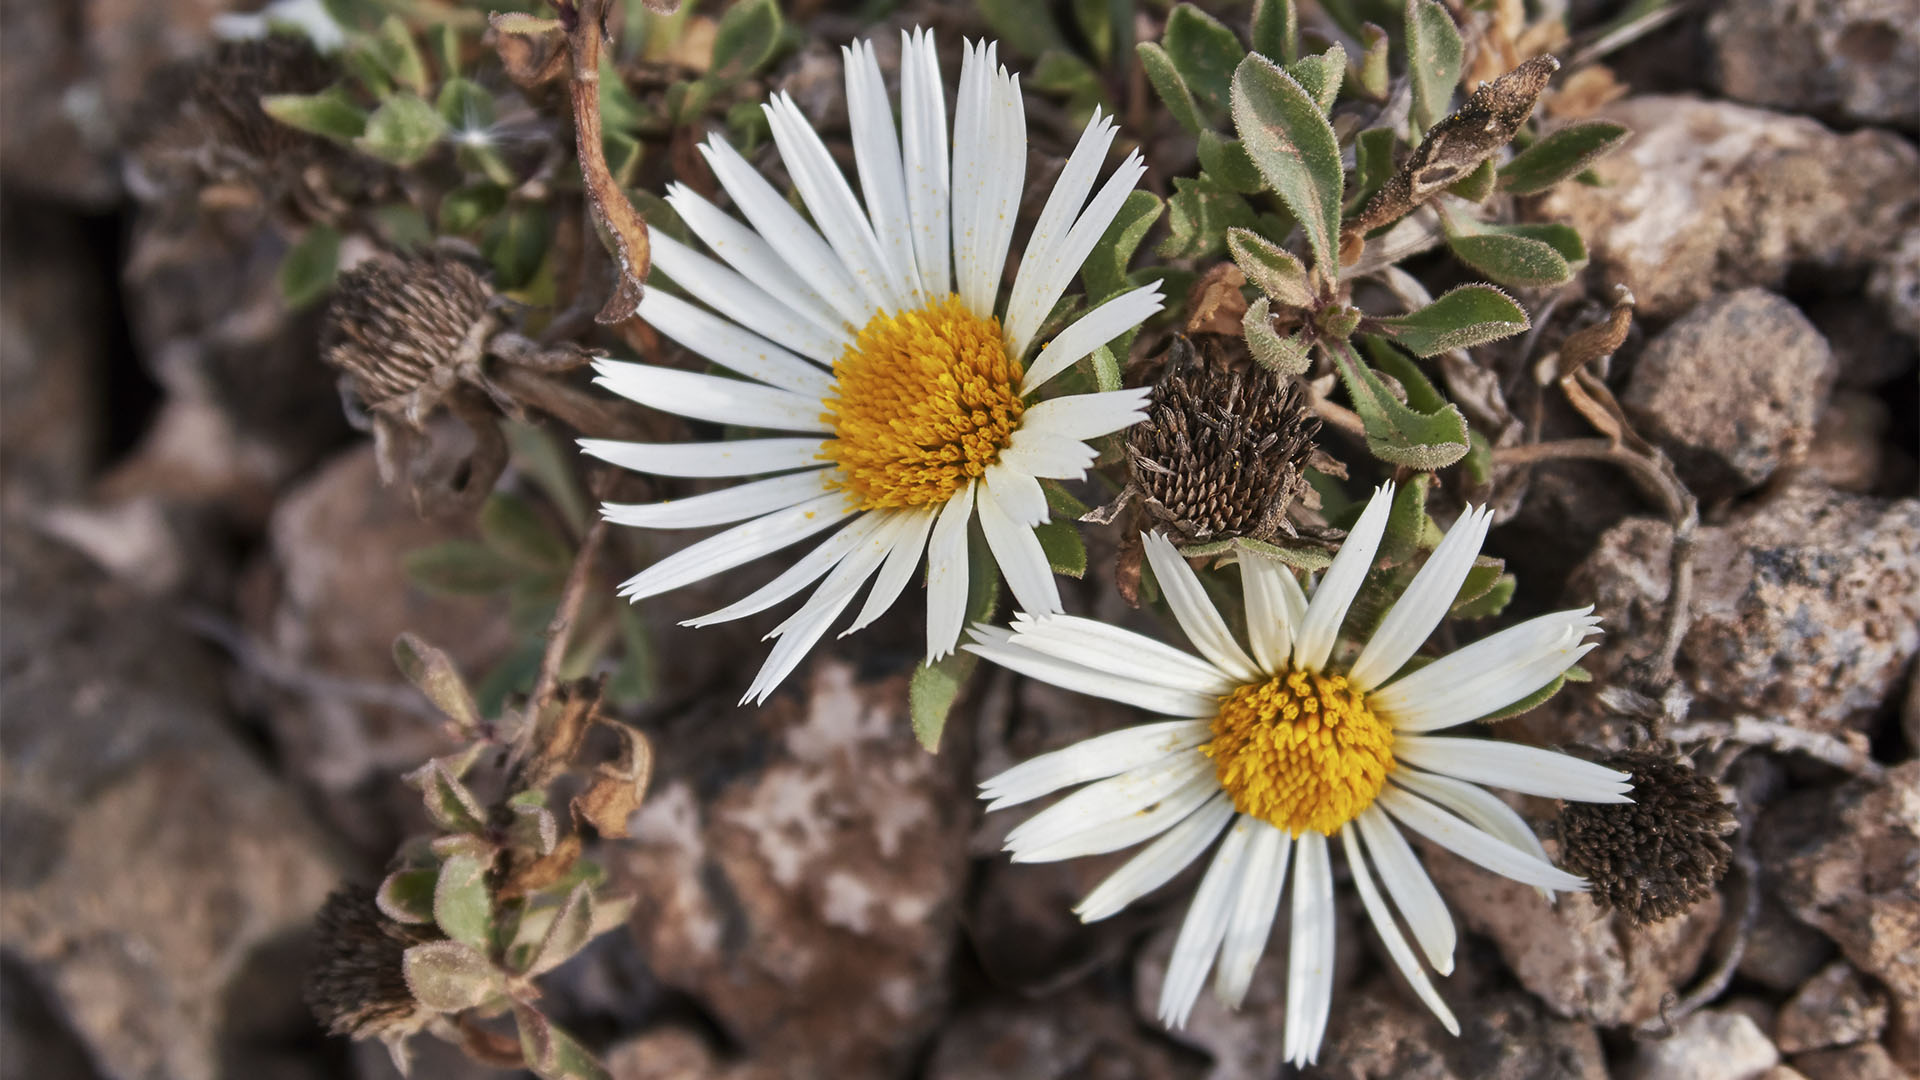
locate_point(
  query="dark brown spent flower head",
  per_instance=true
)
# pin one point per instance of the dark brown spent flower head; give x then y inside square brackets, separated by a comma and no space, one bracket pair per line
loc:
[1658,855]
[1486,121]
[1220,452]
[357,987]
[227,88]
[407,323]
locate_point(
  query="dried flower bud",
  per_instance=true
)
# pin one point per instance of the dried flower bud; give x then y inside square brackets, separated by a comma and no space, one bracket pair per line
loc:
[1658,855]
[406,328]
[357,987]
[1220,453]
[228,86]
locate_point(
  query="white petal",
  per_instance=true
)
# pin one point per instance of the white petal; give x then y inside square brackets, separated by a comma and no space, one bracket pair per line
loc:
[1118,652]
[947,574]
[1424,603]
[743,249]
[735,457]
[1018,493]
[1310,953]
[1050,229]
[1018,552]
[1526,769]
[1124,832]
[805,571]
[792,648]
[908,545]
[1274,601]
[1474,845]
[739,299]
[740,544]
[972,118]
[1205,925]
[997,646]
[1093,759]
[1115,799]
[1067,257]
[782,227]
[1195,612]
[876,154]
[831,202]
[1038,454]
[1383,925]
[1489,674]
[923,127]
[736,503]
[1157,864]
[1089,332]
[710,397]
[1412,890]
[1480,807]
[1253,911]
[1086,416]
[1006,165]
[1313,642]
[846,578]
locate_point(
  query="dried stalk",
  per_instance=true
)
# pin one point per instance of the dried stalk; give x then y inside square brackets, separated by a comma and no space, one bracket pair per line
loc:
[1783,737]
[1734,939]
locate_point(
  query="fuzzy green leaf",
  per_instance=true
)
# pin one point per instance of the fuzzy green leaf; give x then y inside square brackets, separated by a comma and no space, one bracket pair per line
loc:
[393,45]
[1321,75]
[406,896]
[931,695]
[402,131]
[459,568]
[1291,142]
[462,907]
[1284,356]
[1489,603]
[451,806]
[515,243]
[1106,369]
[510,525]
[1372,165]
[550,1052]
[1061,502]
[1276,30]
[1066,552]
[1396,433]
[328,113]
[1199,215]
[1370,70]
[1531,701]
[1467,316]
[466,208]
[571,929]
[1476,185]
[1519,261]
[1562,154]
[308,269]
[1021,26]
[1226,161]
[434,673]
[1434,56]
[1270,268]
[1168,83]
[1422,395]
[465,105]
[449,977]
[745,40]
[1204,51]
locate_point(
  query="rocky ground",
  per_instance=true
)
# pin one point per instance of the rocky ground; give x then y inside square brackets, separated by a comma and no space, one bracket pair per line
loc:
[203,732]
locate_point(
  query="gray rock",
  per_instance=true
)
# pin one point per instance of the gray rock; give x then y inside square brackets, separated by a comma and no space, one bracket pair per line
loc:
[1847,861]
[52,343]
[1711,196]
[1712,1044]
[1077,1035]
[152,862]
[1868,1061]
[1807,608]
[1504,1035]
[1834,1008]
[1849,452]
[1732,390]
[1782,952]
[1895,284]
[1851,60]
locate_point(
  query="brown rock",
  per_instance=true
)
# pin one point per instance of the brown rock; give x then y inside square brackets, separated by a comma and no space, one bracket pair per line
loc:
[1852,60]
[1079,1035]
[1782,952]
[1583,963]
[1834,1008]
[1868,1061]
[676,1054]
[798,871]
[1895,284]
[1732,390]
[1712,1044]
[1848,452]
[1504,1035]
[52,344]
[151,862]
[1848,862]
[1806,608]
[1710,197]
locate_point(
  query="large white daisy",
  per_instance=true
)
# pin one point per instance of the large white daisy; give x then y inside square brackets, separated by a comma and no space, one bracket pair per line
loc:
[1282,746]
[876,333]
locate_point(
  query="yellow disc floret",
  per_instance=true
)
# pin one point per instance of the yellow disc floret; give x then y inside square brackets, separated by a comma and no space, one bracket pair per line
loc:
[1300,751]
[924,401]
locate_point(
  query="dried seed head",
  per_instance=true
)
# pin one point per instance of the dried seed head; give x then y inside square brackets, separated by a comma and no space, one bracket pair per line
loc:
[1658,855]
[357,987]
[227,88]
[1220,452]
[404,327]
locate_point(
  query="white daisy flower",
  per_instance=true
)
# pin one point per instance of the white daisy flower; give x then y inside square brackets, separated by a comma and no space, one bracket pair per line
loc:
[1282,746]
[879,338]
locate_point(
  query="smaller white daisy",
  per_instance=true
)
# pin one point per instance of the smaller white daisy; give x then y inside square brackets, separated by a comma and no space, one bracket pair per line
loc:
[1282,745]
[878,336]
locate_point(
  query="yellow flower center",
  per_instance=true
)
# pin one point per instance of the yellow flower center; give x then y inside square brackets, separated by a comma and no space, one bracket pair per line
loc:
[1300,751]
[924,401]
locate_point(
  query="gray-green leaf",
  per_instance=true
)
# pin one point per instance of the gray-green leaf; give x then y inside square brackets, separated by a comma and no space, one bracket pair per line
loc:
[448,977]
[403,130]
[327,113]
[1396,433]
[462,907]
[308,269]
[1291,142]
[1170,85]
[434,673]
[1204,51]
[1467,316]
[1560,155]
[1509,258]
[1284,356]
[1276,30]
[1434,56]
[1270,268]
[745,39]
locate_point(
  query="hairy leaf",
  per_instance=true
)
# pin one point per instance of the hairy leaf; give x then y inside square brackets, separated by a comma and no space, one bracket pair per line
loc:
[1396,433]
[1270,268]
[1467,316]
[448,977]
[1434,54]
[1170,85]
[1291,142]
[1560,155]
[1204,51]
